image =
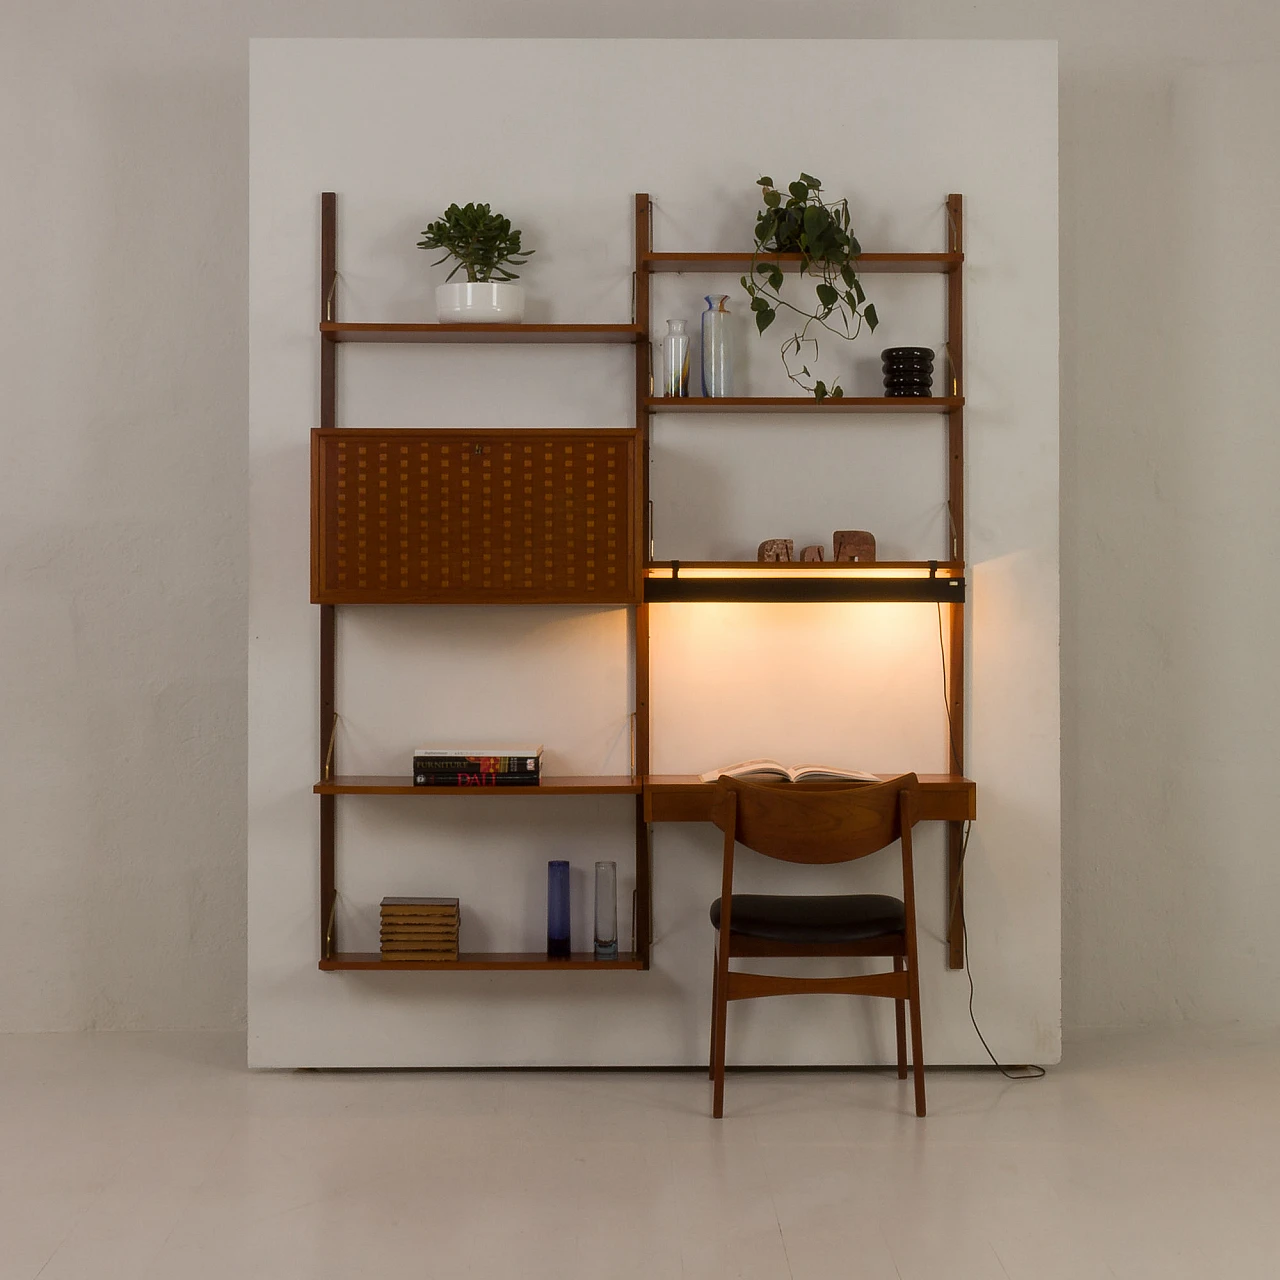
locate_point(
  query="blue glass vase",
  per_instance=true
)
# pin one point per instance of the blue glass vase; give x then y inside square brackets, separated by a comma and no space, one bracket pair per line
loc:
[558,909]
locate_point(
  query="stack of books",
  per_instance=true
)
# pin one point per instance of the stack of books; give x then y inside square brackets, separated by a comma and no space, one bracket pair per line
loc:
[472,767]
[420,928]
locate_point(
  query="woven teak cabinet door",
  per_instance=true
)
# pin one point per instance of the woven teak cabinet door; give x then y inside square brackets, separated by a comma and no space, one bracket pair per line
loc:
[473,517]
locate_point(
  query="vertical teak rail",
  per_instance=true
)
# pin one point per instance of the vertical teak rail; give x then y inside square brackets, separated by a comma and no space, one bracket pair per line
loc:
[643,371]
[955,666]
[328,619]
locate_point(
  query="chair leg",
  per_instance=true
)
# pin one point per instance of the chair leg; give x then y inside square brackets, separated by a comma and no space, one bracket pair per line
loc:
[900,1019]
[917,1045]
[719,1029]
[715,1008]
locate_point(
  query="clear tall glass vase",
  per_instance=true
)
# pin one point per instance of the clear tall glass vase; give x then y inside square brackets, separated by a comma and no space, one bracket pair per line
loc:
[606,910]
[717,354]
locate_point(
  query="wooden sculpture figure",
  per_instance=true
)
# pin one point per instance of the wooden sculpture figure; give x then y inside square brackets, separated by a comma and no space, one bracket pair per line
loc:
[813,553]
[776,550]
[854,544]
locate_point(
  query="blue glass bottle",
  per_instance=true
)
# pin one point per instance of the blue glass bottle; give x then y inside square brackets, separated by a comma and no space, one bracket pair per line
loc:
[558,910]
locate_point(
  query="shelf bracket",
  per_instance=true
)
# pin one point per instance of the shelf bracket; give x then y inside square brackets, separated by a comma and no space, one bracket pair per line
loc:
[328,298]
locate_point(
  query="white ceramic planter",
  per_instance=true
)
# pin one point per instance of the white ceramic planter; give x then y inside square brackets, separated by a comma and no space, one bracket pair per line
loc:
[466,303]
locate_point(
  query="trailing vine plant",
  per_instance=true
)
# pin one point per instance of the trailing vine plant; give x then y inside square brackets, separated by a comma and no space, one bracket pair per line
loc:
[801,221]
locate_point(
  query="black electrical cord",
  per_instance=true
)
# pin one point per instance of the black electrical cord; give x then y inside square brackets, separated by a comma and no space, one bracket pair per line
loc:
[1031,1071]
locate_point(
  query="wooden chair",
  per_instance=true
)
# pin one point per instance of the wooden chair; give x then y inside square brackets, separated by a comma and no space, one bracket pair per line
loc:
[816,823]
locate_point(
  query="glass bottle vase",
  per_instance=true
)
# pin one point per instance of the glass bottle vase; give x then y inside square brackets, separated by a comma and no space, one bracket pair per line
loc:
[717,361]
[558,910]
[675,359]
[606,910]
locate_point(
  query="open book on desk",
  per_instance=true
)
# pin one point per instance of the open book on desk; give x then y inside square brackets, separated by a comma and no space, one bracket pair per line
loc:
[773,771]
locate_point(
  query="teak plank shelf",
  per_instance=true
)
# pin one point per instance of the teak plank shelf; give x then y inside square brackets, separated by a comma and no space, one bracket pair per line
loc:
[623,334]
[803,404]
[740,263]
[562,517]
[566,785]
[578,962]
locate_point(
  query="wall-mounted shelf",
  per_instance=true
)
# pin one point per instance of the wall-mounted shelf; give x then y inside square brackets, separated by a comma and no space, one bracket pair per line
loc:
[560,517]
[740,263]
[623,334]
[804,404]
[578,962]
[393,785]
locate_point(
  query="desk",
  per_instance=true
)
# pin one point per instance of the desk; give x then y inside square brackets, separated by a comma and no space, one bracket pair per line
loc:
[944,797]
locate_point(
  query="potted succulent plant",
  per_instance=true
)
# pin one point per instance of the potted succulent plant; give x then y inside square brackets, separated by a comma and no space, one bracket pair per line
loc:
[801,221]
[485,246]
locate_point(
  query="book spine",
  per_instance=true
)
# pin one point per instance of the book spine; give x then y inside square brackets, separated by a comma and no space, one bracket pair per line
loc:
[476,764]
[460,778]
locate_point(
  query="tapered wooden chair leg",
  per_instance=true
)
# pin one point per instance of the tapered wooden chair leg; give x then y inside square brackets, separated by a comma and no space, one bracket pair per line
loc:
[900,1020]
[917,1046]
[718,1049]
[715,1008]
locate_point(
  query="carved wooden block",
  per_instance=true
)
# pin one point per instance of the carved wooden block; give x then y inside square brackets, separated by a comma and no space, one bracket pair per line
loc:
[854,544]
[775,550]
[813,553]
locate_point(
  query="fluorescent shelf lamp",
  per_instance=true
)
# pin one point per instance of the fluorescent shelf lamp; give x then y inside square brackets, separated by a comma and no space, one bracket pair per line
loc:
[926,583]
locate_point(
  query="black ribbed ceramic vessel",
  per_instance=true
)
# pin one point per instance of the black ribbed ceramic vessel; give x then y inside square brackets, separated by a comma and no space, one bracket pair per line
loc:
[908,371]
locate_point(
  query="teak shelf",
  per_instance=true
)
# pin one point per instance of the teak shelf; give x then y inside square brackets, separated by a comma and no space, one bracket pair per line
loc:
[365,785]
[532,516]
[804,404]
[578,962]
[625,334]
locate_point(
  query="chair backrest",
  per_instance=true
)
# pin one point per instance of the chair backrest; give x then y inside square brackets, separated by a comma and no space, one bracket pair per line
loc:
[815,822]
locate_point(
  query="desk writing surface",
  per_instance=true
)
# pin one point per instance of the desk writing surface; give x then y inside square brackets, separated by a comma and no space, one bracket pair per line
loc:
[684,797]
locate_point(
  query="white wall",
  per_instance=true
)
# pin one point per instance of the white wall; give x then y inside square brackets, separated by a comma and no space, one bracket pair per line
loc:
[123,349]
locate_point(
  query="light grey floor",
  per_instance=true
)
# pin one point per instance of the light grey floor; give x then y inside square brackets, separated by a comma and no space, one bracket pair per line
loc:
[148,1156]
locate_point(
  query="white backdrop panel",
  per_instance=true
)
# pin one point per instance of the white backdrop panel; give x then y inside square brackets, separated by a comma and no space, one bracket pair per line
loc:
[564,134]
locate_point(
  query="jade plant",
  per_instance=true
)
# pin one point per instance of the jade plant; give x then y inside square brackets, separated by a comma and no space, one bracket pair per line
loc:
[484,243]
[801,221]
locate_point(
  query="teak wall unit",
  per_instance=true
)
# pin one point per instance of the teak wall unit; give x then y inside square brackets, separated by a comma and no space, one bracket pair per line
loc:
[561,517]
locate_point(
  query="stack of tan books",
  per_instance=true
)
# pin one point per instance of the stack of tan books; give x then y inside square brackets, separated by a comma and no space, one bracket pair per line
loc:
[420,928]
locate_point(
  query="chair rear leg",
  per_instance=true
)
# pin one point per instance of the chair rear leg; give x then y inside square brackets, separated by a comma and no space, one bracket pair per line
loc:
[917,1045]
[715,1008]
[900,1019]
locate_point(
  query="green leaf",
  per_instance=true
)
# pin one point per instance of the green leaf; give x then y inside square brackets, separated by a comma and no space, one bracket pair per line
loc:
[847,275]
[855,249]
[819,390]
[759,304]
[827,295]
[764,182]
[857,289]
[763,320]
[800,190]
[812,181]
[837,393]
[772,199]
[814,225]
[869,314]
[775,277]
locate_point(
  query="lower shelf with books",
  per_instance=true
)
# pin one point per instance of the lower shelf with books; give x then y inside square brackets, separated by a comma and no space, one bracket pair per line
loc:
[548,785]
[579,960]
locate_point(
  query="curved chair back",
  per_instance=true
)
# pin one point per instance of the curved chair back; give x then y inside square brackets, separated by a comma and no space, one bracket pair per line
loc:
[815,822]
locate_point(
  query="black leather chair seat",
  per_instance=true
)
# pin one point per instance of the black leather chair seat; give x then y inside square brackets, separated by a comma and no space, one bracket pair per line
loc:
[851,918]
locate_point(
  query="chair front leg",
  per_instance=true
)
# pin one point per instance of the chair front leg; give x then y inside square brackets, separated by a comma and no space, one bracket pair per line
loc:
[719,1028]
